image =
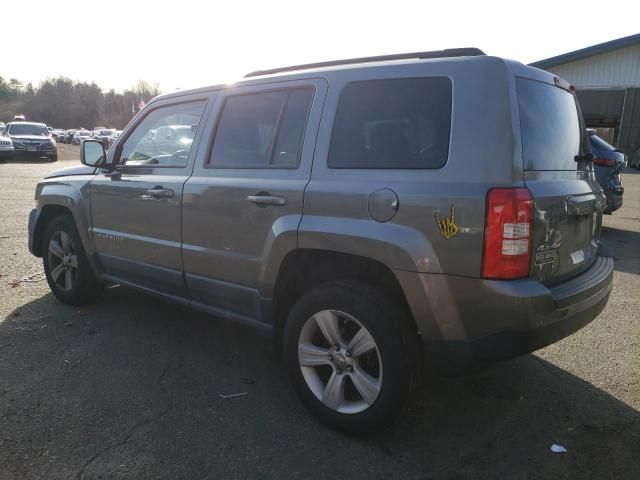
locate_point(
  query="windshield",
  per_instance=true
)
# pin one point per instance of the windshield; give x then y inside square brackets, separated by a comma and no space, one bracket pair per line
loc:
[549,125]
[82,134]
[106,132]
[20,129]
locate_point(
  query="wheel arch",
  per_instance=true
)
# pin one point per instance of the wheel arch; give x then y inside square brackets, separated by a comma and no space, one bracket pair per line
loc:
[47,214]
[302,269]
[58,198]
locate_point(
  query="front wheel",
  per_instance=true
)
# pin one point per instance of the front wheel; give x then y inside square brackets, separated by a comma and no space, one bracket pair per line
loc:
[348,356]
[53,158]
[66,267]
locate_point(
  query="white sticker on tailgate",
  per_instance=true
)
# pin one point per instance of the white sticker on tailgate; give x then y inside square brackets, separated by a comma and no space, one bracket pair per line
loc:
[577,257]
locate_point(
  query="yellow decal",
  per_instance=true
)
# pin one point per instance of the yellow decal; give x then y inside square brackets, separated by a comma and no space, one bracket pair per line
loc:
[447,225]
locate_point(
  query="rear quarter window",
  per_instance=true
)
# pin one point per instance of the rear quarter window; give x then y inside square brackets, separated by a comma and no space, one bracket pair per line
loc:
[392,124]
[549,125]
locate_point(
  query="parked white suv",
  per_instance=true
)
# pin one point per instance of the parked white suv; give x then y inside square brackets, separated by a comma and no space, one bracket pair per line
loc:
[6,147]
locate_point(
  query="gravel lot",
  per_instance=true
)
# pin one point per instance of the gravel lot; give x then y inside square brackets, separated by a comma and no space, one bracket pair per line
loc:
[129,388]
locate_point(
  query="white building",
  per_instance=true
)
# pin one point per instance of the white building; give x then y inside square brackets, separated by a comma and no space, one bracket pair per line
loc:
[607,79]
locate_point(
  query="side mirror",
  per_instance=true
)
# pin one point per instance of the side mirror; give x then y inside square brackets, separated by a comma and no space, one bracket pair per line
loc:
[92,153]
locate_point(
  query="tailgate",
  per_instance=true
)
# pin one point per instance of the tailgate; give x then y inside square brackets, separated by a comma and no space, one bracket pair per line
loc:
[568,202]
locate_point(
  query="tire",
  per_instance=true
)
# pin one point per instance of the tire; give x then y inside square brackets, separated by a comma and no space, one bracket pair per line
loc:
[53,158]
[390,368]
[61,250]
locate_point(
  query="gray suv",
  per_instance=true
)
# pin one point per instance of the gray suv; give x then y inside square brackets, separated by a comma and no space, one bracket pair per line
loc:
[379,216]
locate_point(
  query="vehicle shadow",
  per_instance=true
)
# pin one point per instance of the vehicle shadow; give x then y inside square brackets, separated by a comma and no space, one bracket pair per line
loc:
[623,244]
[134,387]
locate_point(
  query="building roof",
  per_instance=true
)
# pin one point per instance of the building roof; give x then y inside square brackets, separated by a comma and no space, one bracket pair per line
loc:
[587,52]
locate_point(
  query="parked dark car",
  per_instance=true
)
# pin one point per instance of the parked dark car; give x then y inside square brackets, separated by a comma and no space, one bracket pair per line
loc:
[608,162]
[32,140]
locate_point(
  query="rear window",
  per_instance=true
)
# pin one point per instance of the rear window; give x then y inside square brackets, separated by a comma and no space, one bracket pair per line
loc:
[549,125]
[400,123]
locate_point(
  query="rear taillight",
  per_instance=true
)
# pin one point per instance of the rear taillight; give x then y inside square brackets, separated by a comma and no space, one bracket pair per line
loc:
[604,162]
[507,234]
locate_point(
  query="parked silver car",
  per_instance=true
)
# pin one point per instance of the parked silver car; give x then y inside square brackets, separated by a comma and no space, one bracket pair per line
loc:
[32,140]
[80,136]
[375,215]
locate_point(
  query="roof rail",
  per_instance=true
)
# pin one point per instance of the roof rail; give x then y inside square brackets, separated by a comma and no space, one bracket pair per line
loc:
[449,52]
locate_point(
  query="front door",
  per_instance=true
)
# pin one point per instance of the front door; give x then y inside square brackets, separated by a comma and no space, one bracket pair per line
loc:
[136,208]
[243,204]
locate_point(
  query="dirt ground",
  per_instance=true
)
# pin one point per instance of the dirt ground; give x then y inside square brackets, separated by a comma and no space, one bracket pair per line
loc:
[130,388]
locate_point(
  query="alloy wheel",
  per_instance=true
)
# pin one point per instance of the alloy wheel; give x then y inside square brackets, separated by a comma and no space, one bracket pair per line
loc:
[63,261]
[340,361]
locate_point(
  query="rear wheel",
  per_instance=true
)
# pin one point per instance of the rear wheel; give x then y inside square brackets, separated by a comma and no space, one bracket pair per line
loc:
[66,267]
[346,351]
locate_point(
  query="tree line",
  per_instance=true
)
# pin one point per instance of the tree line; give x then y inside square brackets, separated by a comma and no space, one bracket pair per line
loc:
[62,103]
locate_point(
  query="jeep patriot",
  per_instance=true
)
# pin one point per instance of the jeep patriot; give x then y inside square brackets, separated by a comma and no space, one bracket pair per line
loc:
[379,216]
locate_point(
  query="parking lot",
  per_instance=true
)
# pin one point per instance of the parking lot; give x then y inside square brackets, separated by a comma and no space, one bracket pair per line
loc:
[133,387]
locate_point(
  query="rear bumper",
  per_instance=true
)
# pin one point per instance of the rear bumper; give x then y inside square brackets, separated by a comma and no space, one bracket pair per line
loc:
[456,357]
[476,321]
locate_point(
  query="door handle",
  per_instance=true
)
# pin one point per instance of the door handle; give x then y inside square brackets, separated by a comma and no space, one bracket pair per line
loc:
[161,192]
[266,199]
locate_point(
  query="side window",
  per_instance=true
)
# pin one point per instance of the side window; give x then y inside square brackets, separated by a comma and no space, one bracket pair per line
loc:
[164,136]
[400,123]
[262,130]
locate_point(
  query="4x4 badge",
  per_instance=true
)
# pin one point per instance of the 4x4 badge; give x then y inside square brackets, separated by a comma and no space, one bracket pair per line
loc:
[447,225]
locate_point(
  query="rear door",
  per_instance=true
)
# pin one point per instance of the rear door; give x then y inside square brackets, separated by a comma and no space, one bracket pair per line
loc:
[243,203]
[568,201]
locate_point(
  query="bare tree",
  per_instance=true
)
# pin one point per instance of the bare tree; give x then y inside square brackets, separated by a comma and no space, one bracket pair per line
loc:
[64,103]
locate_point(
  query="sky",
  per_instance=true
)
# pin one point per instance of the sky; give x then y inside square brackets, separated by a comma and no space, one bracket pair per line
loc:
[185,43]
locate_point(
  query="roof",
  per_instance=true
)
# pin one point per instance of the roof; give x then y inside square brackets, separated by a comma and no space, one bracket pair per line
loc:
[447,53]
[21,122]
[323,68]
[588,52]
